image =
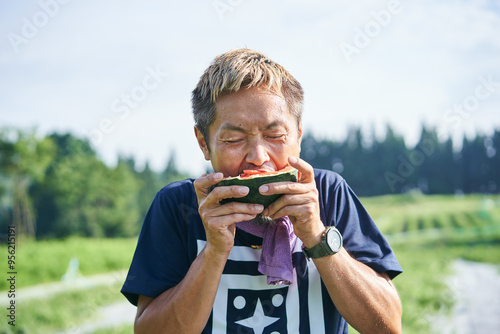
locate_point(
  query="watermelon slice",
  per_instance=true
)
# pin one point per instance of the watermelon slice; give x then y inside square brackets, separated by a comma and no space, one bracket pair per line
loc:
[253,179]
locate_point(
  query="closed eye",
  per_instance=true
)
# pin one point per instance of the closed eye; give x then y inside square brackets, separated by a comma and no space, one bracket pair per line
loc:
[233,141]
[280,136]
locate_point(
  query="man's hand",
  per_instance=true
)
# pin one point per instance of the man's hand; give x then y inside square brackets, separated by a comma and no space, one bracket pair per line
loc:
[299,203]
[219,220]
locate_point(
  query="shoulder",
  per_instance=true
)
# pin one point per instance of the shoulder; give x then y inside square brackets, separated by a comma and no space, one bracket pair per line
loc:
[178,191]
[178,196]
[175,203]
[327,180]
[334,195]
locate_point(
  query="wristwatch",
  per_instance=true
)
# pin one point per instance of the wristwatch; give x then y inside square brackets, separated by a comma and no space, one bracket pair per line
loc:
[331,242]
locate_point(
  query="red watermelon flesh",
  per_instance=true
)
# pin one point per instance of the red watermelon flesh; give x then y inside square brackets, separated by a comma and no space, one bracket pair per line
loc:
[253,179]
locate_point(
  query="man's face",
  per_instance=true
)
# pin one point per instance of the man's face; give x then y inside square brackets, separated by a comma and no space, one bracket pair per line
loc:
[253,129]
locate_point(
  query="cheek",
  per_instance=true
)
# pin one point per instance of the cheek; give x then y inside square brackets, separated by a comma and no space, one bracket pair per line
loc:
[293,145]
[229,157]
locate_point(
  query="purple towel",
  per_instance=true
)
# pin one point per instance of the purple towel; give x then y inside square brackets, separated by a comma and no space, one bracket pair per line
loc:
[277,246]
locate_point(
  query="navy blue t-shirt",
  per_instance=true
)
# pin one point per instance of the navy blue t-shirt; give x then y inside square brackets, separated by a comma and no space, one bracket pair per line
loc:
[173,235]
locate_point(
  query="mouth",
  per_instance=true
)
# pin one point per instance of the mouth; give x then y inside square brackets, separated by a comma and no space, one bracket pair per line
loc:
[257,169]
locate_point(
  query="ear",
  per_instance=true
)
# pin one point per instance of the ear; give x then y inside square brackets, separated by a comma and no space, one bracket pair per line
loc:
[202,143]
[300,135]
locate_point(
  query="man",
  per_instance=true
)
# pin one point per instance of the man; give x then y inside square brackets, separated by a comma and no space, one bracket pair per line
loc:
[196,271]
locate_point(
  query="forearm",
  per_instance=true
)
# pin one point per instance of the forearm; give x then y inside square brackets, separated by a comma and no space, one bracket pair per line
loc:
[186,307]
[366,299]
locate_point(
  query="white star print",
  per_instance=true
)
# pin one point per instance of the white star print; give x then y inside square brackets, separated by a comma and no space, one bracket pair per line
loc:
[258,321]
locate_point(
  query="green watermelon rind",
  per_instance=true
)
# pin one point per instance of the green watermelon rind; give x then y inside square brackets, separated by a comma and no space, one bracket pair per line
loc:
[253,183]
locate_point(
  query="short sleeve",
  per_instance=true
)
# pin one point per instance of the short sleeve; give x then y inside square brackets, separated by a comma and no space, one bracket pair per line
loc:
[164,253]
[361,237]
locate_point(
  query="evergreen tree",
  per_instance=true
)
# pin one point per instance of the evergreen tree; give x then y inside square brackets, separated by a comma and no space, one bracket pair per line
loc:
[436,172]
[171,172]
[391,157]
[150,184]
[474,165]
[493,154]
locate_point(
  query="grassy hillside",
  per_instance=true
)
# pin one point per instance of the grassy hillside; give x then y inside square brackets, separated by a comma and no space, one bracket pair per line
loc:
[427,233]
[401,215]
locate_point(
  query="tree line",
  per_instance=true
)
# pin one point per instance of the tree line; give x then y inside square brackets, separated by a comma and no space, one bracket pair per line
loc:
[388,166]
[56,186]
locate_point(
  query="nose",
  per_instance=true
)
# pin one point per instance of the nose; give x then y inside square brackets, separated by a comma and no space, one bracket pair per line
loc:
[257,154]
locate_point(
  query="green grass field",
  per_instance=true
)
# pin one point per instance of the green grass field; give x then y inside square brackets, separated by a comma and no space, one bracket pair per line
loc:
[426,232]
[47,261]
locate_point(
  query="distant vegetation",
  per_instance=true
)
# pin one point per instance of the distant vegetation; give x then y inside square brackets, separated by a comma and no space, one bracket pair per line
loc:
[374,166]
[427,233]
[49,260]
[56,186]
[413,215]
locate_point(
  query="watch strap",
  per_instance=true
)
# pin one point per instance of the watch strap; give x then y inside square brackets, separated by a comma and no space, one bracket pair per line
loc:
[320,250]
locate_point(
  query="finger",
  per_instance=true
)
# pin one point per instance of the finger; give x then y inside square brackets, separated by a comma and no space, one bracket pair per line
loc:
[288,200]
[305,169]
[230,213]
[283,188]
[203,183]
[220,193]
[295,212]
[234,208]
[283,211]
[222,222]
[210,210]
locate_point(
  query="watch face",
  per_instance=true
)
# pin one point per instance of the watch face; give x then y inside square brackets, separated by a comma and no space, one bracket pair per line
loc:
[334,239]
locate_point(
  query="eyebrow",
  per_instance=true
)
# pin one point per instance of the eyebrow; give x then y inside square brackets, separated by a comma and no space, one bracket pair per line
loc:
[232,127]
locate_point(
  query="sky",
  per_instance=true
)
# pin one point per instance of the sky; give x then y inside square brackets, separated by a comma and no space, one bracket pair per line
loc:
[120,73]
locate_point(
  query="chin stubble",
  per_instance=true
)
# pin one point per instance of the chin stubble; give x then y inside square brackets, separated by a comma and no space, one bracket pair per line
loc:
[263,220]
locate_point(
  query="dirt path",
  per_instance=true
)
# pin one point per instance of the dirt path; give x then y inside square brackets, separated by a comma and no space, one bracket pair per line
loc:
[112,315]
[78,283]
[109,316]
[476,289]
